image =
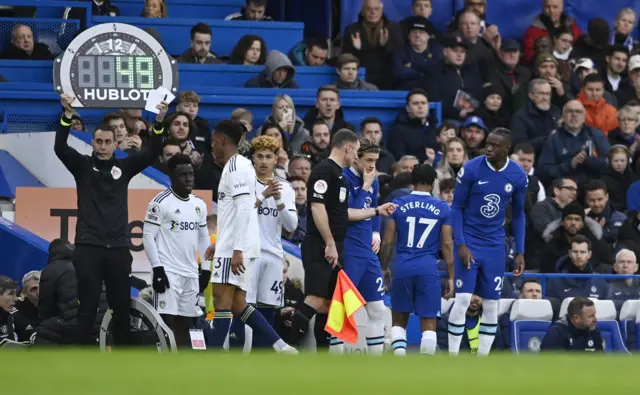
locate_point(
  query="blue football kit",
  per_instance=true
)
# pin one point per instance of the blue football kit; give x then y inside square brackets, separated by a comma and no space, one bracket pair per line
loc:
[480,200]
[416,288]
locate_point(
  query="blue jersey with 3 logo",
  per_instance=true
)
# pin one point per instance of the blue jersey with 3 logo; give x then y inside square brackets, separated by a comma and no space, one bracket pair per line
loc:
[478,211]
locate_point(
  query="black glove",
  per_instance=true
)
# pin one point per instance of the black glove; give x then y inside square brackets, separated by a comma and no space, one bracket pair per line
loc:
[160,280]
[205,278]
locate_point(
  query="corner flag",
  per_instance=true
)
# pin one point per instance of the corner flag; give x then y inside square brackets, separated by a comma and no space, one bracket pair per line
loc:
[345,302]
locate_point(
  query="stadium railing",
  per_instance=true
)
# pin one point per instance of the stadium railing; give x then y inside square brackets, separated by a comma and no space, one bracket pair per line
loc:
[176,32]
[218,9]
[546,277]
[207,75]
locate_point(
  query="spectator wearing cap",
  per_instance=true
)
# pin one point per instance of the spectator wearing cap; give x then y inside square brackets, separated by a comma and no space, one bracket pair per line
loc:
[558,234]
[596,200]
[508,75]
[278,73]
[582,69]
[616,64]
[421,52]
[480,52]
[630,91]
[538,119]
[546,68]
[575,149]
[347,69]
[629,288]
[372,128]
[623,28]
[474,133]
[412,131]
[450,76]
[374,39]
[599,114]
[551,20]
[593,45]
[419,8]
[492,110]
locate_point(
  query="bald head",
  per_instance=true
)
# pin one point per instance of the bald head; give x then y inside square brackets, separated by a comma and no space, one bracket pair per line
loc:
[372,11]
[573,116]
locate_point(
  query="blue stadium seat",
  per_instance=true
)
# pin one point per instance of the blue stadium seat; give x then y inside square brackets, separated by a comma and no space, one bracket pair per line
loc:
[176,32]
[529,322]
[565,306]
[55,33]
[13,174]
[627,319]
[606,315]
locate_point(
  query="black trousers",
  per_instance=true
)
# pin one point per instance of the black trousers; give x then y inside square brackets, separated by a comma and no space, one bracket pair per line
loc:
[95,265]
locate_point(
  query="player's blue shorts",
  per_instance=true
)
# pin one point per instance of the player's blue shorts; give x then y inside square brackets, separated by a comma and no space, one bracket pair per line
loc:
[484,277]
[418,294]
[366,275]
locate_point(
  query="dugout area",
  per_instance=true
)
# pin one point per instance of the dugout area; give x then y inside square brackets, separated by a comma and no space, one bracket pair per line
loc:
[146,372]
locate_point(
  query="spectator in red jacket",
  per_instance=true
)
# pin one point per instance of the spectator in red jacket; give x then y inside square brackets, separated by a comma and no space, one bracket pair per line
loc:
[546,24]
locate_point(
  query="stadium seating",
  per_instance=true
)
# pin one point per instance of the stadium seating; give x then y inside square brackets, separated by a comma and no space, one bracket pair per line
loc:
[210,75]
[50,9]
[185,9]
[565,306]
[56,33]
[606,315]
[529,321]
[14,174]
[176,32]
[504,306]
[627,318]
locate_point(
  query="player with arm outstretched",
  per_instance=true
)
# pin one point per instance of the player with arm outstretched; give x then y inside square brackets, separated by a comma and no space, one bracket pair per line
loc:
[175,232]
[276,207]
[485,186]
[418,228]
[362,243]
[238,240]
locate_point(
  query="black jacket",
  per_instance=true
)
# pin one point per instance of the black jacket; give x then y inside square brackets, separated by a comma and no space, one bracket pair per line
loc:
[562,335]
[617,186]
[26,319]
[106,9]
[338,123]
[293,297]
[7,326]
[532,125]
[40,52]
[493,119]
[102,185]
[385,161]
[508,82]
[616,137]
[629,233]
[444,81]
[58,301]
[409,136]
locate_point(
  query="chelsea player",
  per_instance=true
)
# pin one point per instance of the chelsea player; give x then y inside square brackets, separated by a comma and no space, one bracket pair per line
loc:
[418,228]
[486,185]
[362,243]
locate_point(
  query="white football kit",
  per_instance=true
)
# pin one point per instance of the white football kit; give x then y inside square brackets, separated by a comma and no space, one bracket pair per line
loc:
[264,283]
[175,232]
[237,221]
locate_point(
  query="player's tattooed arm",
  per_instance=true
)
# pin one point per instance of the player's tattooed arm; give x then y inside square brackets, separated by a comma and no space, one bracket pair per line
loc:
[388,244]
[446,237]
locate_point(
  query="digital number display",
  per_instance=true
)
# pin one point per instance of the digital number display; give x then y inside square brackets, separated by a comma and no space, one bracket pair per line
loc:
[114,65]
[128,72]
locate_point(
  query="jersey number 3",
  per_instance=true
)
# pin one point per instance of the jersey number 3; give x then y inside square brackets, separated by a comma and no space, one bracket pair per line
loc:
[431,223]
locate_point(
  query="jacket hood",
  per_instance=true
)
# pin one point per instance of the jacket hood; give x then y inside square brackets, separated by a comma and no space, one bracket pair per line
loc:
[590,224]
[276,60]
[296,54]
[61,252]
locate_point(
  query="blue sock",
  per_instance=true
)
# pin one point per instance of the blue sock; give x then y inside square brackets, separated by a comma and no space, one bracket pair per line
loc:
[262,331]
[269,314]
[221,322]
[236,334]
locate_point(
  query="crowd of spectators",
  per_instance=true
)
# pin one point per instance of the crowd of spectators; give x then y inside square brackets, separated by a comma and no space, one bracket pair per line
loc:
[570,98]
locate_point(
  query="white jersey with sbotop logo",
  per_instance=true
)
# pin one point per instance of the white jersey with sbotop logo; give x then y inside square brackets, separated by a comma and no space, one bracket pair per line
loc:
[271,220]
[236,196]
[179,225]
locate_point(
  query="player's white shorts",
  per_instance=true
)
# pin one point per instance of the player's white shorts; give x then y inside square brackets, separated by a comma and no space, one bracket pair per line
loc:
[222,273]
[180,299]
[264,281]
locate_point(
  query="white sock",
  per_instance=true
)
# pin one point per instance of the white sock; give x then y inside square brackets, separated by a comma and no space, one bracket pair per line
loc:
[457,321]
[428,343]
[336,346]
[279,345]
[488,326]
[375,327]
[399,340]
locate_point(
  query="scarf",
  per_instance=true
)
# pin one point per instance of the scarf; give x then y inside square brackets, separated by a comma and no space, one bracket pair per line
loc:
[617,38]
[548,24]
[372,32]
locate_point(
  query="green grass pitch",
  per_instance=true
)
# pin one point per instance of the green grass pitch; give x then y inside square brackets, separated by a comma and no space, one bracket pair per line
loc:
[66,372]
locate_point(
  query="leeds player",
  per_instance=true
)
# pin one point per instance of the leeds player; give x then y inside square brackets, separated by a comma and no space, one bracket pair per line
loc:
[417,229]
[276,206]
[486,185]
[362,243]
[238,240]
[175,232]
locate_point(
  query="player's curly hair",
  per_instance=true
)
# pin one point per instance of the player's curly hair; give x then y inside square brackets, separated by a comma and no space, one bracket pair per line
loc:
[367,146]
[265,143]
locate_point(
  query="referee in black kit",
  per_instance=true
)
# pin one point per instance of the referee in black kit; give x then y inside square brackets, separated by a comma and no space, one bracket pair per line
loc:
[102,235]
[322,247]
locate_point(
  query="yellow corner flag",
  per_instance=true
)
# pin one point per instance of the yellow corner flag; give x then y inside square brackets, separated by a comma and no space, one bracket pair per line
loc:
[346,301]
